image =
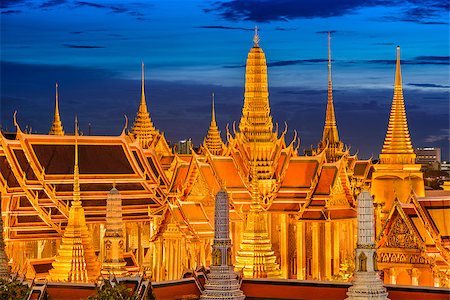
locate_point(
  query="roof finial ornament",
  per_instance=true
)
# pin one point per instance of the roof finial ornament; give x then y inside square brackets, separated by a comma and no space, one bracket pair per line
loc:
[256,37]
[398,72]
[329,57]
[213,112]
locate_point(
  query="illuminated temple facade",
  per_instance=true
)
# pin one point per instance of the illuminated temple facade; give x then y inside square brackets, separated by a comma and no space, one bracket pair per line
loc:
[287,205]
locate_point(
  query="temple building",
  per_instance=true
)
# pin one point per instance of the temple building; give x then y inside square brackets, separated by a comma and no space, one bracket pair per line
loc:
[290,205]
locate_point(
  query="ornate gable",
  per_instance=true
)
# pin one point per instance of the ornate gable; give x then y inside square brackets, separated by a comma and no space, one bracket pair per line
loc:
[400,235]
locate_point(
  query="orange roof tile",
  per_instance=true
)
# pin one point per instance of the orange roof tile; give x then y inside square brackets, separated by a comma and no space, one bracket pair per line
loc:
[326,180]
[300,173]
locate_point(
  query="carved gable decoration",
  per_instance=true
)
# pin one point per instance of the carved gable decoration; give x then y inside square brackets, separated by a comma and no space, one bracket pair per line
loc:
[400,236]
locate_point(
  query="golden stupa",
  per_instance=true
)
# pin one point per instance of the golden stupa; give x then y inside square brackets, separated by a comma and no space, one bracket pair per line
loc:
[57,128]
[76,260]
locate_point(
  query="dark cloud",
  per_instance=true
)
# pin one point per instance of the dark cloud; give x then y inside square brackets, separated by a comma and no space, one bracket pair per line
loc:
[11,11]
[326,31]
[419,60]
[224,27]
[284,10]
[9,3]
[118,8]
[51,3]
[282,63]
[82,46]
[102,97]
[285,28]
[429,85]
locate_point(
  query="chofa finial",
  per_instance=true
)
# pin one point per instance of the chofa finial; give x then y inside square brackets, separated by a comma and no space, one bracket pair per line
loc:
[256,37]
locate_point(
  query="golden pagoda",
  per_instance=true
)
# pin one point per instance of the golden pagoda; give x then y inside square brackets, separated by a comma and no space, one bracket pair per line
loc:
[143,128]
[76,260]
[255,257]
[57,128]
[113,261]
[334,148]
[213,142]
[397,174]
[256,122]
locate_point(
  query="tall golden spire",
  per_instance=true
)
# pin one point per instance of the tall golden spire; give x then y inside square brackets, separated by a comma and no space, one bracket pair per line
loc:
[143,127]
[76,260]
[213,141]
[397,175]
[330,139]
[397,147]
[57,128]
[256,122]
[255,256]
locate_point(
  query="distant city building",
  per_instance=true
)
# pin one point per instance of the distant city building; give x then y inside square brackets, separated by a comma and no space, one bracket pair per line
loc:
[428,155]
[184,146]
[445,166]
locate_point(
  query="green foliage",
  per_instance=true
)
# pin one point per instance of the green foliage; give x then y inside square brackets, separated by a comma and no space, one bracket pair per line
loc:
[13,289]
[346,269]
[119,291]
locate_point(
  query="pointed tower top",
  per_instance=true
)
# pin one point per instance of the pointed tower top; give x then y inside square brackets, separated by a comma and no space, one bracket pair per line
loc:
[397,147]
[213,141]
[76,173]
[56,128]
[213,113]
[256,38]
[398,71]
[143,127]
[330,138]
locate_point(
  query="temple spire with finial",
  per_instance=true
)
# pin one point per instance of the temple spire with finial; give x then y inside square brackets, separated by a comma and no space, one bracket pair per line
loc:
[256,122]
[143,127]
[255,256]
[330,139]
[256,38]
[213,141]
[76,260]
[397,146]
[57,128]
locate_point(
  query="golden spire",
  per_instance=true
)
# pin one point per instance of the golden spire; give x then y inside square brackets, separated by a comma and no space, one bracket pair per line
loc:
[57,128]
[255,256]
[256,121]
[330,138]
[143,127]
[397,147]
[76,260]
[213,141]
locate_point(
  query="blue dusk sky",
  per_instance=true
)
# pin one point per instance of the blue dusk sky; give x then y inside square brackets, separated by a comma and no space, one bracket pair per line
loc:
[94,49]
